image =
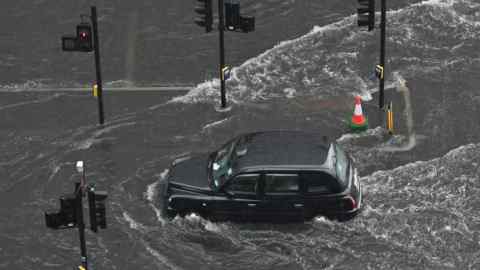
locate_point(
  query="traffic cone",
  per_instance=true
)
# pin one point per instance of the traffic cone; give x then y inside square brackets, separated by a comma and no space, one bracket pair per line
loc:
[359,122]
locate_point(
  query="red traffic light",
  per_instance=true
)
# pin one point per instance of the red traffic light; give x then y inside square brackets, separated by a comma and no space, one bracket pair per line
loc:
[84,37]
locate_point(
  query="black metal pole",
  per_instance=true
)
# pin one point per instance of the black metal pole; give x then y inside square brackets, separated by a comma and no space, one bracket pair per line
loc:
[80,223]
[97,63]
[382,53]
[221,28]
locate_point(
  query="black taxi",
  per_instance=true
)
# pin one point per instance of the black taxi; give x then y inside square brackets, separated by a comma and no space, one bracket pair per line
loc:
[270,176]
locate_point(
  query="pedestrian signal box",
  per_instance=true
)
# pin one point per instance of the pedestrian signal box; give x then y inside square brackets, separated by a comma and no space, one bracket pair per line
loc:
[65,218]
[69,43]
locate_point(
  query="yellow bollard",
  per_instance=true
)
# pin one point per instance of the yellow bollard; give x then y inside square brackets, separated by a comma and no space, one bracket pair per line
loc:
[390,118]
[81,267]
[95,90]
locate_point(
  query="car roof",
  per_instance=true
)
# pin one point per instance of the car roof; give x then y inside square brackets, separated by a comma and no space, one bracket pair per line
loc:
[283,150]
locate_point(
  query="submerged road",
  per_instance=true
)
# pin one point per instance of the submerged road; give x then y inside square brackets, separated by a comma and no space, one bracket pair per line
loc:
[299,71]
[107,89]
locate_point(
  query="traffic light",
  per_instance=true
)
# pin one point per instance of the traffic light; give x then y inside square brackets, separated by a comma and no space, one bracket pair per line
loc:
[205,9]
[84,37]
[234,21]
[69,43]
[366,14]
[247,24]
[96,206]
[232,15]
[82,42]
[66,218]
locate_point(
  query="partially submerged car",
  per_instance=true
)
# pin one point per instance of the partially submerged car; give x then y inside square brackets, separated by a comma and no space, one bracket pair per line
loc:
[265,176]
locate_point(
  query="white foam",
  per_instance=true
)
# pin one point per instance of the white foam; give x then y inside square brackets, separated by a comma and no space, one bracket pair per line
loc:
[408,112]
[40,100]
[454,154]
[133,223]
[193,217]
[151,192]
[162,259]
[56,168]
[289,92]
[152,189]
[28,85]
[262,77]
[259,69]
[212,227]
[375,132]
[214,124]
[158,214]
[164,174]
[141,228]
[87,143]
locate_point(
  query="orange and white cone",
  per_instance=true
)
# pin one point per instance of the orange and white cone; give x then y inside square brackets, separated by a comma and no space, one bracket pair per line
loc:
[358,122]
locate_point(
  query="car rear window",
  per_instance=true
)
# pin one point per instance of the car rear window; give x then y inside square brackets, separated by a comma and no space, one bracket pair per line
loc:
[281,183]
[342,165]
[321,182]
[245,184]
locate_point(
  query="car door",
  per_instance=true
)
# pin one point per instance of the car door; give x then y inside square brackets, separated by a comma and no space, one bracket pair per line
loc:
[281,197]
[240,197]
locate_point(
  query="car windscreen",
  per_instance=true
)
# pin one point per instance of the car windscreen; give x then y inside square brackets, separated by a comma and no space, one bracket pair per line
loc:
[221,167]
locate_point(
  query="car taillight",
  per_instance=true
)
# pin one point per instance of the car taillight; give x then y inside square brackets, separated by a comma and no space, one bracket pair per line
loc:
[349,203]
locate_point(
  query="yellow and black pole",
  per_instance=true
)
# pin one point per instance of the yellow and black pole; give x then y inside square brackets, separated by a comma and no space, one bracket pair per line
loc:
[390,118]
[95,90]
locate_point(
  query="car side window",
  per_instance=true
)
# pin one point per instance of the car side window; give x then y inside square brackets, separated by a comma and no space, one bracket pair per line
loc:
[321,182]
[281,183]
[243,184]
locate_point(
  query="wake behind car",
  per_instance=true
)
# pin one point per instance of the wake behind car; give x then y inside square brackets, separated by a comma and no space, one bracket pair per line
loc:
[265,176]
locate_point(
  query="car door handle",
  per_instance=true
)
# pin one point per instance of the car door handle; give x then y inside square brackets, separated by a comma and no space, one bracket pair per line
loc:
[298,205]
[252,204]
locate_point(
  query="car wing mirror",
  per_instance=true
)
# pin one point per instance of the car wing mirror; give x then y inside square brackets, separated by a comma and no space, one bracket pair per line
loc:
[241,152]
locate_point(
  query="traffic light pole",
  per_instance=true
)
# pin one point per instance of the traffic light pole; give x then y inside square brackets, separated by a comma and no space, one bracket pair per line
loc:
[71,212]
[80,223]
[97,63]
[221,29]
[382,53]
